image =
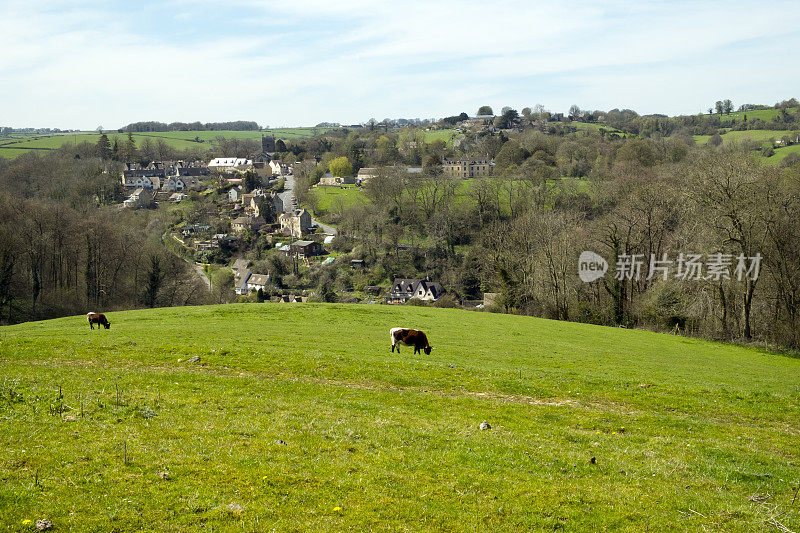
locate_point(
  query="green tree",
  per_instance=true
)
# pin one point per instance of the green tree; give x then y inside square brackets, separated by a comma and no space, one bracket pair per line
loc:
[485,110]
[341,166]
[727,106]
[104,147]
[155,278]
[250,181]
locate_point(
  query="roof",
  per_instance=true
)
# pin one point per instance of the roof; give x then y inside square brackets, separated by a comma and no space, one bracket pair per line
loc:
[258,279]
[367,170]
[229,162]
[302,243]
[240,264]
[250,221]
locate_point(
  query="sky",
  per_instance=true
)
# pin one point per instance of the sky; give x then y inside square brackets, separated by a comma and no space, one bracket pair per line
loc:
[84,63]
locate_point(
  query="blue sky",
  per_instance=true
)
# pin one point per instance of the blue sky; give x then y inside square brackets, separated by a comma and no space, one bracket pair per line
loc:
[85,63]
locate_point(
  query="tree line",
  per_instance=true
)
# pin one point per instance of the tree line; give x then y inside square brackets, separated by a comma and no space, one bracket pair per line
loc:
[236,125]
[65,249]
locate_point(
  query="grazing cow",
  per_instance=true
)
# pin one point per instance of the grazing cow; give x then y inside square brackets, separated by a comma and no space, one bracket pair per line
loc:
[410,337]
[97,318]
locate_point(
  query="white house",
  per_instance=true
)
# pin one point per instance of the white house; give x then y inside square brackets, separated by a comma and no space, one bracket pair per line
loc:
[174,183]
[139,198]
[257,281]
[235,194]
[279,168]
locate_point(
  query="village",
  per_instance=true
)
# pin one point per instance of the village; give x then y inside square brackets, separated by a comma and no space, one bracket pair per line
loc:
[252,202]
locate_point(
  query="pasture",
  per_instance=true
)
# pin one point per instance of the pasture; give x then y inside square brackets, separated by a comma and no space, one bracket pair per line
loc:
[296,417]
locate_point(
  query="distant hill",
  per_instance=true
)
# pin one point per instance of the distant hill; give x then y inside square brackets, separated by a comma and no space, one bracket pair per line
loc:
[13,146]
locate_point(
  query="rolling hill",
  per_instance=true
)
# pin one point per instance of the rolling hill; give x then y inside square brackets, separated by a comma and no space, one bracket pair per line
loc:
[297,417]
[13,146]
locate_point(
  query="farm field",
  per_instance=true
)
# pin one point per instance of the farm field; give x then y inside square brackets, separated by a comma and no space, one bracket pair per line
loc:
[180,140]
[296,417]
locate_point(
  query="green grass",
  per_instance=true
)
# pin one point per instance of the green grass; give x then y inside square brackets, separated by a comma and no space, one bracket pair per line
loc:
[781,153]
[684,432]
[335,199]
[448,136]
[761,136]
[12,147]
[764,114]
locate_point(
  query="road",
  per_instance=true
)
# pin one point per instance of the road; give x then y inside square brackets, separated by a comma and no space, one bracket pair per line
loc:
[286,197]
[197,268]
[201,273]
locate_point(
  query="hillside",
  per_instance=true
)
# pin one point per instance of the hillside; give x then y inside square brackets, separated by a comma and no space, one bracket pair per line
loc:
[298,417]
[18,144]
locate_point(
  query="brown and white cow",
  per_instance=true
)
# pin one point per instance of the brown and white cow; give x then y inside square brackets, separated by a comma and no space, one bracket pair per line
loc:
[97,318]
[410,337]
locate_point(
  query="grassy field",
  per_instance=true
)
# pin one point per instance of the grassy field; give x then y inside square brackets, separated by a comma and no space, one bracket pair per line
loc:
[297,417]
[761,136]
[764,114]
[11,147]
[781,153]
[333,199]
[736,136]
[448,136]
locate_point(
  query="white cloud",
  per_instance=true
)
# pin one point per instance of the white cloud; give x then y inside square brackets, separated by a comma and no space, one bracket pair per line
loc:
[306,61]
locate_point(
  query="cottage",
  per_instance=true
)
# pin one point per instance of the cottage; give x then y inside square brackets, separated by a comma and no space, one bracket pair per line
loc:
[295,224]
[239,267]
[139,198]
[174,183]
[255,204]
[234,194]
[241,283]
[405,289]
[257,281]
[280,168]
[303,249]
[331,180]
[243,224]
